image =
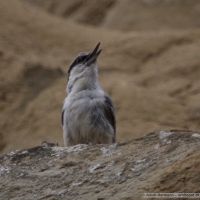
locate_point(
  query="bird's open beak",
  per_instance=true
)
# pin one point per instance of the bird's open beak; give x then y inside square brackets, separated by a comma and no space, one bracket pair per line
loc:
[93,55]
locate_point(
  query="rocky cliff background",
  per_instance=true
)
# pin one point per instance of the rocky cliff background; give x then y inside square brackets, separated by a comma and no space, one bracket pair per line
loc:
[150,64]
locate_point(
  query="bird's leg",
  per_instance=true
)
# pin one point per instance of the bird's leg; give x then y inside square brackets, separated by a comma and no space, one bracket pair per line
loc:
[50,144]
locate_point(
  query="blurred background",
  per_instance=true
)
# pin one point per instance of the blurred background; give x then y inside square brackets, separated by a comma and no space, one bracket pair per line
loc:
[150,64]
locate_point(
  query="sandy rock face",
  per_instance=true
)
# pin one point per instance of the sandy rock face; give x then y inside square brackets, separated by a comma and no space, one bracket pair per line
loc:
[162,161]
[149,64]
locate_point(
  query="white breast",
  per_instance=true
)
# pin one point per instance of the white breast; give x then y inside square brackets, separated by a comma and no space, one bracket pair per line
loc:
[82,110]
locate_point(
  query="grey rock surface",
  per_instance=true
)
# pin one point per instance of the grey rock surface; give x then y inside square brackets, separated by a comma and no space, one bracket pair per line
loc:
[161,161]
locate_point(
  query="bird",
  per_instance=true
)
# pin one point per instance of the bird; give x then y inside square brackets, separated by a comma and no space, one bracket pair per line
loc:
[88,112]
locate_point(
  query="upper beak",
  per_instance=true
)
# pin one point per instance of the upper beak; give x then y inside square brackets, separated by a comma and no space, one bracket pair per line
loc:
[93,55]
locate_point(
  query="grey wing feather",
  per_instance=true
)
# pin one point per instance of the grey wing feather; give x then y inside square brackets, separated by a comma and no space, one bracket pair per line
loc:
[62,117]
[109,113]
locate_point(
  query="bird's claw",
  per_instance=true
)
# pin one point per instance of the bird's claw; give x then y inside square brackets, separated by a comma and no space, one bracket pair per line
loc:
[50,144]
[88,142]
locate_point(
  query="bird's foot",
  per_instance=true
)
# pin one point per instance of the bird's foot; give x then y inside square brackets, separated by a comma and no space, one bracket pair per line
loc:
[88,142]
[50,144]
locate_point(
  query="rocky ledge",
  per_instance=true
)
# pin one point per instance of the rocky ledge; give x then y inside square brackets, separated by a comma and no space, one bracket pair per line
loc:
[161,161]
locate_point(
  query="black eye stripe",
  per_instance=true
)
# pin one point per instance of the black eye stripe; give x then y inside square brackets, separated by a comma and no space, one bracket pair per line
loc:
[78,60]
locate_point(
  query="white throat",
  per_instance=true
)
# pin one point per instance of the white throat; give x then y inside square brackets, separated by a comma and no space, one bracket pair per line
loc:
[86,79]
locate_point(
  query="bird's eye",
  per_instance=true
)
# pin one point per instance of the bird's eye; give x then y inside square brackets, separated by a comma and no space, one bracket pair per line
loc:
[80,59]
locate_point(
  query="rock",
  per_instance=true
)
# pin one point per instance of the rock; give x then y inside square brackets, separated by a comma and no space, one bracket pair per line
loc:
[161,161]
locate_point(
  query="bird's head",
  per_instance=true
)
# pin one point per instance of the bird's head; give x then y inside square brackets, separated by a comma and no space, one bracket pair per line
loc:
[83,71]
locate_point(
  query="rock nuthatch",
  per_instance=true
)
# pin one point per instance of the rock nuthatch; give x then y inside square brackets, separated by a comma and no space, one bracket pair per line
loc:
[88,112]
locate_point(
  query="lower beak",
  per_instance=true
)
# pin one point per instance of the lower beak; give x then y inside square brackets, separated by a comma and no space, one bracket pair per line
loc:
[93,55]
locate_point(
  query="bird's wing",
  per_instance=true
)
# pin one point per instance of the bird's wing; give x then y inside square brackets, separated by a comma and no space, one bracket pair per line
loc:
[62,117]
[109,113]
